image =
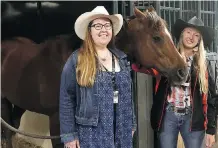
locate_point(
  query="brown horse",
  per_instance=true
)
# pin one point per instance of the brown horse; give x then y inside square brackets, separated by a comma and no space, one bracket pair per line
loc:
[31,72]
[149,42]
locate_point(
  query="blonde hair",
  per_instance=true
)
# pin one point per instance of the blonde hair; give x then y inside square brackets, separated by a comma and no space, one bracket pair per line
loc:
[199,62]
[86,64]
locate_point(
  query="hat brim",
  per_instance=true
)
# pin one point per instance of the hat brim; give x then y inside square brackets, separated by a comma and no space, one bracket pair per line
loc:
[81,24]
[207,32]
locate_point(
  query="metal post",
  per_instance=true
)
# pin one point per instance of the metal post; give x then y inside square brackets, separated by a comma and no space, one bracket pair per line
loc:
[131,6]
[115,7]
[216,26]
[144,103]
[158,7]
[199,10]
[181,8]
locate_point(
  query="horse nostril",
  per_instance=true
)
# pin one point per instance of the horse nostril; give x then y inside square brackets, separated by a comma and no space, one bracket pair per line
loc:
[181,73]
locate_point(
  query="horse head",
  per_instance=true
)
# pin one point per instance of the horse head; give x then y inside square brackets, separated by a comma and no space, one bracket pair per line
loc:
[150,45]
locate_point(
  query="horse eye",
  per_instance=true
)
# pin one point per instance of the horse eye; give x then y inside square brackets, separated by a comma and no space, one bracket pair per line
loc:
[156,39]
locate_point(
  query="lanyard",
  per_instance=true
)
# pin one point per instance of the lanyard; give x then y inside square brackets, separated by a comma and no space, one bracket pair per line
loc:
[113,73]
[115,93]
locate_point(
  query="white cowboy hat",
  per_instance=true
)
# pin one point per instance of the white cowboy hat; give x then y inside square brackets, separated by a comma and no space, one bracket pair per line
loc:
[84,19]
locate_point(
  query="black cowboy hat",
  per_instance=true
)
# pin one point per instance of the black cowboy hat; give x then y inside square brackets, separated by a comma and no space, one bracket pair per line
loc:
[206,32]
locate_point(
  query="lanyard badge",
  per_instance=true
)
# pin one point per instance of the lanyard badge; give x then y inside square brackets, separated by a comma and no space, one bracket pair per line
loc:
[116,93]
[115,90]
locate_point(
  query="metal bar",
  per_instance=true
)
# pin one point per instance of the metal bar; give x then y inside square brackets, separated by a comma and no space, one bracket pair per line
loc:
[213,20]
[189,11]
[212,23]
[207,19]
[202,14]
[131,4]
[181,8]
[141,7]
[185,2]
[170,21]
[189,14]
[115,7]
[216,27]
[211,6]
[190,4]
[174,13]
[206,3]
[170,8]
[199,9]
[208,12]
[158,7]
[123,7]
[164,10]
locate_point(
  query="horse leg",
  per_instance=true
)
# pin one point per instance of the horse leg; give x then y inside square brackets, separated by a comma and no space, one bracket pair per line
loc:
[16,116]
[6,110]
[55,130]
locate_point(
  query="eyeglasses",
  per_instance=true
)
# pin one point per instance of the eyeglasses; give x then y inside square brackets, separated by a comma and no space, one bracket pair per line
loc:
[98,26]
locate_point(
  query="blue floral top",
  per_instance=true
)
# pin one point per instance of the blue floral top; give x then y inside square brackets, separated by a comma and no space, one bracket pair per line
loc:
[102,136]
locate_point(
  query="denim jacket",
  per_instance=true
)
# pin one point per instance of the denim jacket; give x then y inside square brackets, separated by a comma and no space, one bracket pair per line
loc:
[78,105]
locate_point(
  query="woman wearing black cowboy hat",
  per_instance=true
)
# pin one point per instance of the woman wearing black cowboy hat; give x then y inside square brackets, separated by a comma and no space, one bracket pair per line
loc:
[188,108]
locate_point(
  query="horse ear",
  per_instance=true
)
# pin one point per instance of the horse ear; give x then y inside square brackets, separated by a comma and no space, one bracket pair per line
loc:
[151,9]
[138,13]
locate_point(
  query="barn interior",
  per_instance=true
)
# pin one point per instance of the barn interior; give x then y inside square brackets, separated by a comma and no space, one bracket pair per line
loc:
[39,20]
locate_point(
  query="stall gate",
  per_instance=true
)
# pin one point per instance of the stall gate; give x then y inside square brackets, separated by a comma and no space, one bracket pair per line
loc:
[169,11]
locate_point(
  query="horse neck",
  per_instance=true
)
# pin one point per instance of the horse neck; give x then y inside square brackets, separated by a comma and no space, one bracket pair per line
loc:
[122,40]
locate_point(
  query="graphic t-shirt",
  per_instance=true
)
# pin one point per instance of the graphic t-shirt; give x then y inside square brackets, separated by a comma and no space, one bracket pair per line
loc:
[180,95]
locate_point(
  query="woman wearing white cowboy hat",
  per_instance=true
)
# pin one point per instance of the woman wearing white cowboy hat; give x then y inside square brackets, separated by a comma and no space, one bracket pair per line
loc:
[96,107]
[188,108]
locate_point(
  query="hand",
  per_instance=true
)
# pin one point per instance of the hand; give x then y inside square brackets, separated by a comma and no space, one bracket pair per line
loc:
[210,140]
[73,144]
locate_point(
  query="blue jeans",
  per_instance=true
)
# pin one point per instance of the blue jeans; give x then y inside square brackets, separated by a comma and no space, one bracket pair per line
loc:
[172,125]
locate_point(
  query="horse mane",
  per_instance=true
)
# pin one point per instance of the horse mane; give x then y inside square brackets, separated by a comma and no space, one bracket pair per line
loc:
[57,41]
[60,43]
[155,21]
[60,46]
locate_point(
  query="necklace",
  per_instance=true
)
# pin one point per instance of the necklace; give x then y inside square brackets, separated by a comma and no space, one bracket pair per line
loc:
[104,58]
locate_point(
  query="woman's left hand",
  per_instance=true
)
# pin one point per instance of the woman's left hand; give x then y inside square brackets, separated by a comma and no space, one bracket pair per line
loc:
[210,140]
